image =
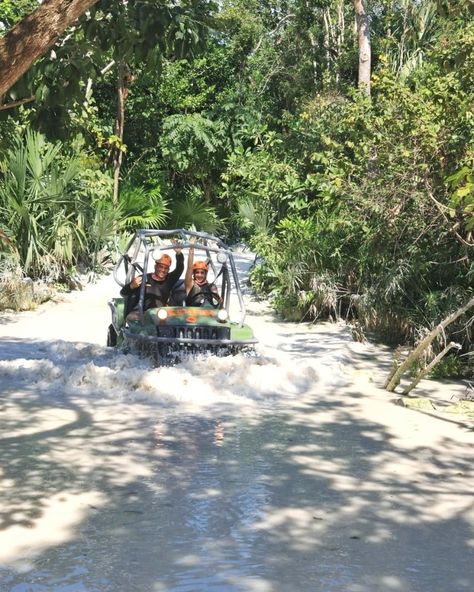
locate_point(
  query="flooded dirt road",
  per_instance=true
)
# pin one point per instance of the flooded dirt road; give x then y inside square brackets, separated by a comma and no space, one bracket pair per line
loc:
[282,472]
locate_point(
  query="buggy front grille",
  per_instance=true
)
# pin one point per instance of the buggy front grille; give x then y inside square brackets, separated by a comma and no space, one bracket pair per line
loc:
[206,333]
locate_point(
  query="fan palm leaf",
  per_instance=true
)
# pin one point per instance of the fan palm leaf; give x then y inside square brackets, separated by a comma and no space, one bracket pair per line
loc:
[37,203]
[141,208]
[193,210]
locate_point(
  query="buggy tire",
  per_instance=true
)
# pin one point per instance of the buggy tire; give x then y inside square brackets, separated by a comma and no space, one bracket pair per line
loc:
[111,336]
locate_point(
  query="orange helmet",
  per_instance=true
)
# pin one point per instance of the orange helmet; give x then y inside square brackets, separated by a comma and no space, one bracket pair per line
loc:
[200,265]
[164,260]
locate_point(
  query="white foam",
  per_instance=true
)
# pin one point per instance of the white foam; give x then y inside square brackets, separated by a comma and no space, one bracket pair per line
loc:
[66,341]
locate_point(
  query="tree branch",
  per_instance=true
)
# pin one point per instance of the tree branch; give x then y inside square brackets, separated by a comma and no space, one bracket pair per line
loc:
[260,41]
[34,35]
[18,103]
[440,207]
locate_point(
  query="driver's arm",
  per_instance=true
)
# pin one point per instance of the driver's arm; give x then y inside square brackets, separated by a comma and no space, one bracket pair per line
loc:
[174,276]
[215,294]
[132,286]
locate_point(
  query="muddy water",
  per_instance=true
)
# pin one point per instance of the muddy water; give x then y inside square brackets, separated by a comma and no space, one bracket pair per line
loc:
[289,470]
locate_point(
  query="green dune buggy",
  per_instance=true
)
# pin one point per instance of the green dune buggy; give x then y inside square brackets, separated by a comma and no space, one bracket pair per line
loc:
[166,332]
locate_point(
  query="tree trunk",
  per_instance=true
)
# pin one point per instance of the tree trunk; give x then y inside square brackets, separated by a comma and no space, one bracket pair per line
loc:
[314,63]
[340,32]
[124,78]
[395,375]
[363,34]
[34,35]
[327,38]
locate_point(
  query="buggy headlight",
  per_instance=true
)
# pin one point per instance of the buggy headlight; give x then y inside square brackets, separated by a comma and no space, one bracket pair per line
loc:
[162,314]
[221,257]
[222,315]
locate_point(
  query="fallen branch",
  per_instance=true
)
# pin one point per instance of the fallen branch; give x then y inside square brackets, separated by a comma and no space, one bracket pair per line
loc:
[395,375]
[431,365]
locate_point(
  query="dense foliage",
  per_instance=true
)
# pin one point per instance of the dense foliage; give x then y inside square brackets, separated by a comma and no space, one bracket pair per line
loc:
[245,120]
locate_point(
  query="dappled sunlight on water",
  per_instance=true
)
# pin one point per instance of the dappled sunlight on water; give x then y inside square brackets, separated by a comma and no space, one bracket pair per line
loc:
[271,472]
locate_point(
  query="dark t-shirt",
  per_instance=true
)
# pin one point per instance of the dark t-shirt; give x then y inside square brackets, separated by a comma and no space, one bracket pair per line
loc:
[156,293]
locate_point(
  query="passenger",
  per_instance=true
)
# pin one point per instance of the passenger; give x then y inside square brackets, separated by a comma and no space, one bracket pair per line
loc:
[158,285]
[199,292]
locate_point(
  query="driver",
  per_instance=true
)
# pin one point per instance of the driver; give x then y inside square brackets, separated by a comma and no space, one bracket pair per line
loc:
[199,292]
[158,285]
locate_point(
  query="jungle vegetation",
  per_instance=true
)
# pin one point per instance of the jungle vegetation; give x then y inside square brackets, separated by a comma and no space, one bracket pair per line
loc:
[250,119]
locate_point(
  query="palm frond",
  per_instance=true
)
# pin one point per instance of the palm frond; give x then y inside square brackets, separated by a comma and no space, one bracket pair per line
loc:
[193,210]
[253,217]
[142,208]
[36,201]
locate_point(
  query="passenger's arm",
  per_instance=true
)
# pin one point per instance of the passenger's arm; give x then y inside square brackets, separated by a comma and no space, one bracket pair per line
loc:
[188,278]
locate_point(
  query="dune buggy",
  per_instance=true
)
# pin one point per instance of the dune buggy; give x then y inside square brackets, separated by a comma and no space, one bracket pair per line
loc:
[166,332]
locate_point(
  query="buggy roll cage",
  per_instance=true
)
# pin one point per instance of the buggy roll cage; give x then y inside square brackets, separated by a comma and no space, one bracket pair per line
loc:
[145,242]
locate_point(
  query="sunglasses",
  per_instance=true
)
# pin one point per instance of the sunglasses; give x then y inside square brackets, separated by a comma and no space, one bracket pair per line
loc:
[161,266]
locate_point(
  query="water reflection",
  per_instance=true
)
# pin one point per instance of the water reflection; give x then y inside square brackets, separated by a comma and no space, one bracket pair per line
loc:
[190,525]
[232,493]
[218,433]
